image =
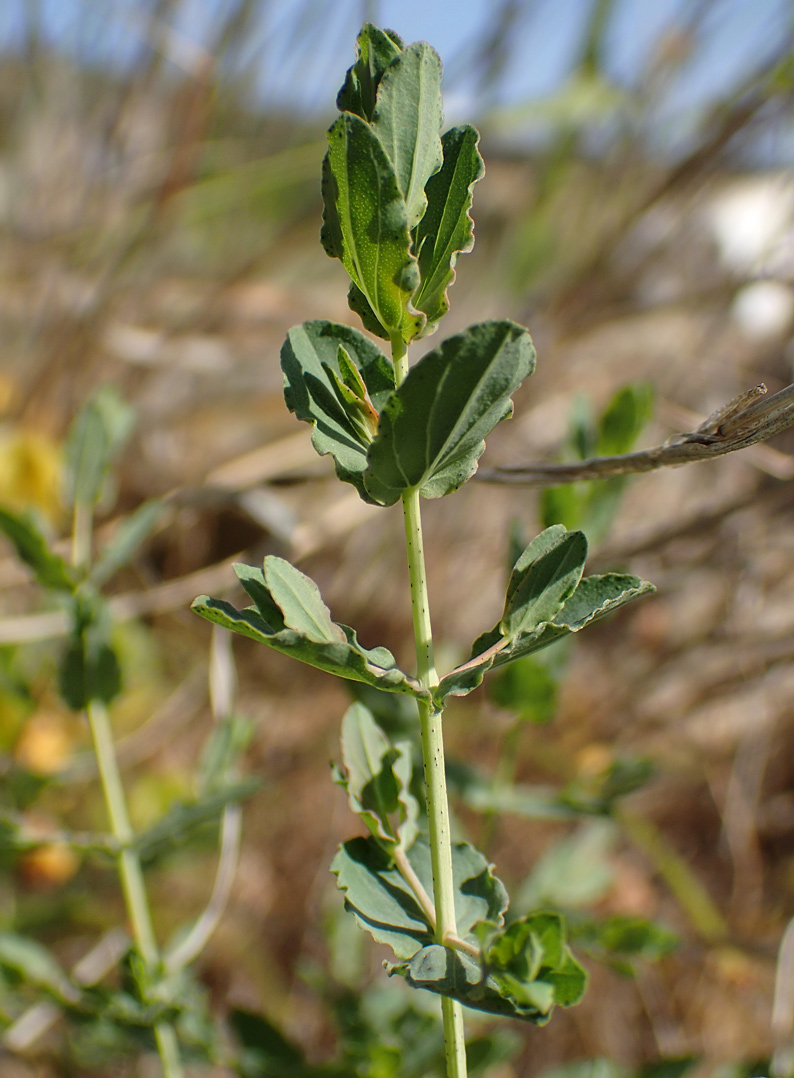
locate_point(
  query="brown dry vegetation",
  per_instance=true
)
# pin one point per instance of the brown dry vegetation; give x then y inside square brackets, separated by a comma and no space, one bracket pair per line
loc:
[160,236]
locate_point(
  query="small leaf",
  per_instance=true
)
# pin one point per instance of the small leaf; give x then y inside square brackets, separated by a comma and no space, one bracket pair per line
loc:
[97,435]
[446,229]
[365,223]
[311,361]
[432,428]
[131,533]
[372,787]
[539,587]
[407,120]
[89,667]
[325,644]
[573,872]
[376,50]
[622,421]
[593,599]
[49,568]
[170,830]
[528,970]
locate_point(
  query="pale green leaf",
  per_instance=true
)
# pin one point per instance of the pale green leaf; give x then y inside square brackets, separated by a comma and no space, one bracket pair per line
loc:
[131,533]
[299,600]
[407,120]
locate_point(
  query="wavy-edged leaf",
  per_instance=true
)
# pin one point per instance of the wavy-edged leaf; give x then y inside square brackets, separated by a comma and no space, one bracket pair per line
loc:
[593,599]
[376,49]
[432,428]
[528,969]
[446,229]
[310,361]
[365,223]
[325,644]
[407,121]
[376,779]
[49,568]
[387,908]
[540,583]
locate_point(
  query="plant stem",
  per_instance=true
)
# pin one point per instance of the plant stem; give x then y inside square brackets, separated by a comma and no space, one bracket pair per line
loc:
[130,872]
[432,754]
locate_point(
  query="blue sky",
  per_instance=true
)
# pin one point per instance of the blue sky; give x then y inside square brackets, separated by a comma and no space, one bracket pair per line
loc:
[737,35]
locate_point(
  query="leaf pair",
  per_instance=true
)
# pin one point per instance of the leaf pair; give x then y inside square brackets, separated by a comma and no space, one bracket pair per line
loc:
[431,430]
[387,878]
[547,598]
[396,196]
[290,616]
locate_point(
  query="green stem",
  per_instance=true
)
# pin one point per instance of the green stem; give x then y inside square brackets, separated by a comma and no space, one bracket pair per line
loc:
[432,754]
[130,872]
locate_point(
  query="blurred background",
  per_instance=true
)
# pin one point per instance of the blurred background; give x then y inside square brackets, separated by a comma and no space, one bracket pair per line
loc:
[160,213]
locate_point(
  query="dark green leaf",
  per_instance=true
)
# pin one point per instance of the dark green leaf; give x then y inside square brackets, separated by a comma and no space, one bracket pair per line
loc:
[446,229]
[407,120]
[528,969]
[433,427]
[309,359]
[594,598]
[49,569]
[376,50]
[338,651]
[365,224]
[386,907]
[99,432]
[545,575]
[131,533]
[89,667]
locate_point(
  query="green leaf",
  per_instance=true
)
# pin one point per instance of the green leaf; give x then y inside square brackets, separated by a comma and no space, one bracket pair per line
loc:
[49,569]
[365,223]
[622,421]
[312,638]
[32,962]
[446,229]
[89,667]
[593,599]
[376,778]
[528,970]
[299,600]
[376,50]
[97,435]
[528,688]
[387,908]
[407,120]
[632,937]
[131,533]
[310,361]
[432,428]
[541,582]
